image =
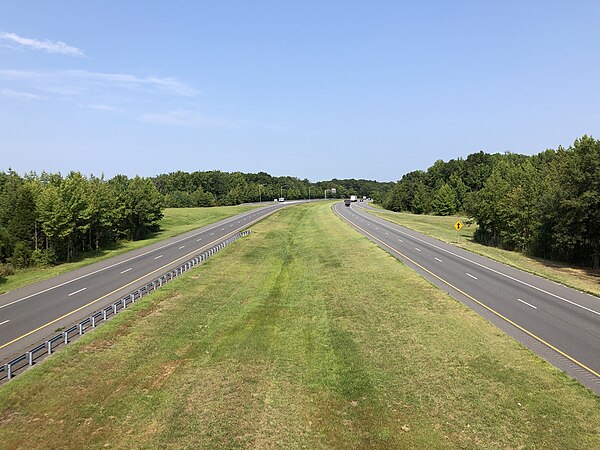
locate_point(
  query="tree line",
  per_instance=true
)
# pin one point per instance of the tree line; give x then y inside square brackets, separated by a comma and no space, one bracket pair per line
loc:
[211,188]
[47,219]
[545,205]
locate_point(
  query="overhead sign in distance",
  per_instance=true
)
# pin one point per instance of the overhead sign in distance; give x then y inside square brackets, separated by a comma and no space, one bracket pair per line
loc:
[458,225]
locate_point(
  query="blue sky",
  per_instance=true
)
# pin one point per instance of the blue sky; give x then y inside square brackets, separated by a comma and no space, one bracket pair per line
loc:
[309,89]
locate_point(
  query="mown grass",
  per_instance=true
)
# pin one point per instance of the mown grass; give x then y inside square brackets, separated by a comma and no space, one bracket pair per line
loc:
[442,228]
[303,335]
[175,221]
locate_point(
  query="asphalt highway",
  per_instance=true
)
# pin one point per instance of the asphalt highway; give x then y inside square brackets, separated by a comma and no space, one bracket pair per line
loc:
[33,313]
[558,323]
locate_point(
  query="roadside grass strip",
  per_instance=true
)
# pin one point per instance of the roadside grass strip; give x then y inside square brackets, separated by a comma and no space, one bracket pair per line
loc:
[441,227]
[302,335]
[175,221]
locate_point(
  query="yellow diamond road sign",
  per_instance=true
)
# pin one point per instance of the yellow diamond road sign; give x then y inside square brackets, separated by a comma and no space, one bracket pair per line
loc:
[458,225]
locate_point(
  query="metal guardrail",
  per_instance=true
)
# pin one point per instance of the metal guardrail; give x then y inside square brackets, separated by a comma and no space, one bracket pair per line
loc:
[29,358]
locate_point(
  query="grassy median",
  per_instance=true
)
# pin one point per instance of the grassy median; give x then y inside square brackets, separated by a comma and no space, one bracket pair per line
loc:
[440,227]
[175,221]
[302,335]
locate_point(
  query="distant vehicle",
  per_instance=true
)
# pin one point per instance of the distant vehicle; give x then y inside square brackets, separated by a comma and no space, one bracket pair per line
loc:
[347,202]
[281,199]
[275,200]
[353,198]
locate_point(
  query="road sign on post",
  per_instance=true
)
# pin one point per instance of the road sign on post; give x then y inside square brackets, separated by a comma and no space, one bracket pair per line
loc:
[459,226]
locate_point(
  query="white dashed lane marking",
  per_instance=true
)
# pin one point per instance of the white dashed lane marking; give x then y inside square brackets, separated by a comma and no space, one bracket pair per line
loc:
[469,275]
[528,304]
[159,256]
[126,270]
[77,292]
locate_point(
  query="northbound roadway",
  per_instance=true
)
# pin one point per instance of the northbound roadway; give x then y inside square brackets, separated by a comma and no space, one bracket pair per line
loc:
[558,323]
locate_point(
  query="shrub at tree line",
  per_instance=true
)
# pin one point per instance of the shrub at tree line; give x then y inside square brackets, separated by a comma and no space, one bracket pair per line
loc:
[546,204]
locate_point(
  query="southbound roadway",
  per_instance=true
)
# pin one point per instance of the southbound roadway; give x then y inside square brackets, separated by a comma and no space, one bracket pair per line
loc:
[34,313]
[560,324]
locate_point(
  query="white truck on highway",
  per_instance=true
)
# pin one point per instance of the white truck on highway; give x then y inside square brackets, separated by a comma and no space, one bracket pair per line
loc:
[353,198]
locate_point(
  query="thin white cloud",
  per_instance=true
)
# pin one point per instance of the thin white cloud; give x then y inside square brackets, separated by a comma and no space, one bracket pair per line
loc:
[19,95]
[78,82]
[186,118]
[46,45]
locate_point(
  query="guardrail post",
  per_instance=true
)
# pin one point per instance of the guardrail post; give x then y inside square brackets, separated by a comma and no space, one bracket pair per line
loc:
[80,329]
[115,308]
[93,321]
[132,297]
[66,336]
[8,371]
[30,358]
[49,347]
[104,314]
[139,291]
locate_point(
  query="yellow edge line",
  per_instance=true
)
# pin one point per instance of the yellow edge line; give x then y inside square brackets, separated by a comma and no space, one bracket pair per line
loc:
[122,287]
[472,298]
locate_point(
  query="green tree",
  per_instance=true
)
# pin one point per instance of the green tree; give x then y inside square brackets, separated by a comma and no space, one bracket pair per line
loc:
[444,201]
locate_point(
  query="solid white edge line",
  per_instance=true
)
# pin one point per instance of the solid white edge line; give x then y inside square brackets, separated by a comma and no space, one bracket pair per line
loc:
[77,292]
[528,304]
[500,273]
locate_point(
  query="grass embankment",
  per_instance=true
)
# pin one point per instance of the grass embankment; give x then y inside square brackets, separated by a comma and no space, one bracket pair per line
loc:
[175,221]
[303,335]
[442,228]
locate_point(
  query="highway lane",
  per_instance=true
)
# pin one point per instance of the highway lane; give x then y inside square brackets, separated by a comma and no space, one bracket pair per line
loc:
[559,323]
[33,313]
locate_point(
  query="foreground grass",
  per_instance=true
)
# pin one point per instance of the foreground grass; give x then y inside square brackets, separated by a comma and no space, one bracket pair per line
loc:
[303,335]
[442,228]
[175,221]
